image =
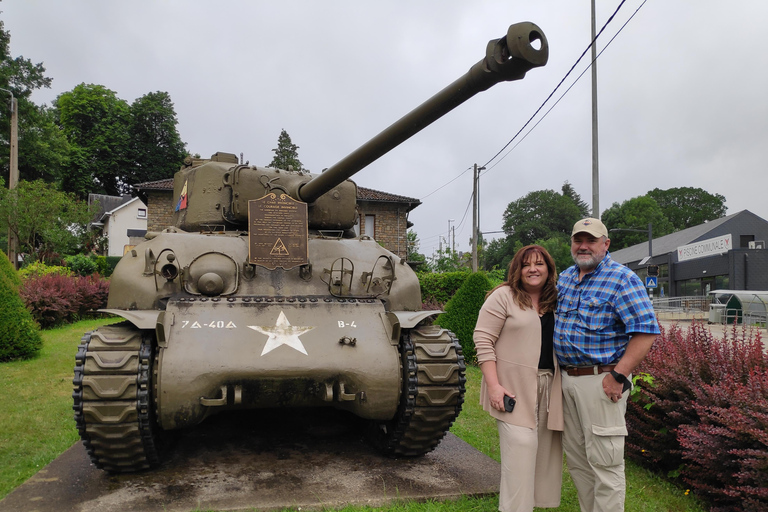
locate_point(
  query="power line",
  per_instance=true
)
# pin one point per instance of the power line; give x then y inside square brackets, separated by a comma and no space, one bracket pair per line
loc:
[488,165]
[569,87]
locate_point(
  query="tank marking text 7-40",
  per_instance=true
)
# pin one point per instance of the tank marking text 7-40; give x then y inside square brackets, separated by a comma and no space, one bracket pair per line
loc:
[213,324]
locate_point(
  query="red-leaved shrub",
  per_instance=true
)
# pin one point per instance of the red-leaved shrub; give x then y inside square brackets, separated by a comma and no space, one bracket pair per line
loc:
[54,299]
[93,290]
[727,452]
[700,413]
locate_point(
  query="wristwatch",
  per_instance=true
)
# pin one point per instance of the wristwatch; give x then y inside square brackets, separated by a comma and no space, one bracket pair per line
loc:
[623,379]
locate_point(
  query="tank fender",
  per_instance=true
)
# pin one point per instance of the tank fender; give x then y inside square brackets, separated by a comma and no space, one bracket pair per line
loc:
[409,319]
[143,319]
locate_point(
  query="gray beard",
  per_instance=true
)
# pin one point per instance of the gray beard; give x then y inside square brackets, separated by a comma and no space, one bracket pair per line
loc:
[590,264]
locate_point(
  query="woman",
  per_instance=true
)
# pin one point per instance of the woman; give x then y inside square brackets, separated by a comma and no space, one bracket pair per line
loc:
[513,338]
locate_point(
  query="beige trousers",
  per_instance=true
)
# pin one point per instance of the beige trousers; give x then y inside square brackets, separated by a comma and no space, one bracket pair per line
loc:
[531,459]
[594,442]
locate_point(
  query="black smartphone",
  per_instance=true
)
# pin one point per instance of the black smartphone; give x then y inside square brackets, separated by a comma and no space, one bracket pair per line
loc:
[509,403]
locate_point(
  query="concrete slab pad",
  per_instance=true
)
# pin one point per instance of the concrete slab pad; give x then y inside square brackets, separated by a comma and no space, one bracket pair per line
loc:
[263,461]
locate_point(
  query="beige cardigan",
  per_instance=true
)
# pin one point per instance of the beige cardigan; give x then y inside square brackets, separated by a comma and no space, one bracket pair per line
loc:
[512,337]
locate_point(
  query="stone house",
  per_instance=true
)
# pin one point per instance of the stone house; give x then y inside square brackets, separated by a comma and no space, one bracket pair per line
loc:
[383,216]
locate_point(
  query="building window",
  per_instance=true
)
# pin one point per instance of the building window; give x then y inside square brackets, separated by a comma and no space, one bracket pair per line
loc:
[370,225]
[142,213]
[744,240]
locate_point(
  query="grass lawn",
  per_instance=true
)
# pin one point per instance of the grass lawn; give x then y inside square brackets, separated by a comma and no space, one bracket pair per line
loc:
[37,422]
[36,425]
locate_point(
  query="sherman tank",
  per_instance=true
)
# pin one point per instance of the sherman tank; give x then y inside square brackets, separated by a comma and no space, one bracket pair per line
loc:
[261,296]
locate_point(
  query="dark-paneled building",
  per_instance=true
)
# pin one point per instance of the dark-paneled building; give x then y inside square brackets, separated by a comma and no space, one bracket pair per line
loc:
[726,253]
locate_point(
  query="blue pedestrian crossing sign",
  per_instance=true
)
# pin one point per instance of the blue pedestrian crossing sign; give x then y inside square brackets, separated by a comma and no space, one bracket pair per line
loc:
[651,282]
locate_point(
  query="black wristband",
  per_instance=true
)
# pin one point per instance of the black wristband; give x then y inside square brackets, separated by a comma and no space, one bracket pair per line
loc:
[622,379]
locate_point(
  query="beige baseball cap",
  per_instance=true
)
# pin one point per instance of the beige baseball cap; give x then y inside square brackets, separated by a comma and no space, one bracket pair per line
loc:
[592,226]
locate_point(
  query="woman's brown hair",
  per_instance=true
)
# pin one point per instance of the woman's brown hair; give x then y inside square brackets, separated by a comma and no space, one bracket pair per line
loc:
[548,298]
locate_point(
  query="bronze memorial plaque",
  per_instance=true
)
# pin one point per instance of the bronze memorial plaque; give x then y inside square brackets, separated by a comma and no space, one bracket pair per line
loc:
[277,232]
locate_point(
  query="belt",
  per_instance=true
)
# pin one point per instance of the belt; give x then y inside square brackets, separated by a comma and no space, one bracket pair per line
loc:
[576,371]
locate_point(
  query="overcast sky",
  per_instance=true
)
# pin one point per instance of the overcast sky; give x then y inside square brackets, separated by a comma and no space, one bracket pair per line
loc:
[681,90]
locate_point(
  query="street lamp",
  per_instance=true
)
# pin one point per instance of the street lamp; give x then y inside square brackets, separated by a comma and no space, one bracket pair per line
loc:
[13,175]
[650,237]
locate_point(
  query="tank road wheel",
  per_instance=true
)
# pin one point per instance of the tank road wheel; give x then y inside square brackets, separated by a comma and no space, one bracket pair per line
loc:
[113,399]
[432,395]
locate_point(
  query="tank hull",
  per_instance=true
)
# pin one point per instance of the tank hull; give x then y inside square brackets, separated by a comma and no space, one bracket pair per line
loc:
[258,352]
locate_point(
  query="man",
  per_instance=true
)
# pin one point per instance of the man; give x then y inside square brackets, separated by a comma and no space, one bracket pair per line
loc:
[604,327]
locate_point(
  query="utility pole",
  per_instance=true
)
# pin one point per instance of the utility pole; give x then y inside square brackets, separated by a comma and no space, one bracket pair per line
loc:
[475,214]
[595,160]
[13,176]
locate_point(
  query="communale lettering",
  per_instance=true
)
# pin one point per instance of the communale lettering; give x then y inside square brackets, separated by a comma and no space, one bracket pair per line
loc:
[705,247]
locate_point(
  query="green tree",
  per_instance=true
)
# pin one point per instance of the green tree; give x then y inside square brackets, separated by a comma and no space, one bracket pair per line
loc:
[569,192]
[635,214]
[541,214]
[560,249]
[45,220]
[286,154]
[96,123]
[155,150]
[447,260]
[686,207]
[498,253]
[412,243]
[42,146]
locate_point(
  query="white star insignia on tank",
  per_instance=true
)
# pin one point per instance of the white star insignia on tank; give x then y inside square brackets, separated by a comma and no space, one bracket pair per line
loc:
[283,333]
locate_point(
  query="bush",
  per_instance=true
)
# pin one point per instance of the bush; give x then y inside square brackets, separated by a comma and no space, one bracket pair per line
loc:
[105,265]
[727,452]
[39,268]
[54,299]
[81,264]
[496,276]
[700,414]
[7,270]
[462,310]
[19,334]
[437,288]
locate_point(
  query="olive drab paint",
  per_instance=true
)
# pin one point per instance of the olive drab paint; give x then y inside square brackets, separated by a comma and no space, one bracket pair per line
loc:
[261,296]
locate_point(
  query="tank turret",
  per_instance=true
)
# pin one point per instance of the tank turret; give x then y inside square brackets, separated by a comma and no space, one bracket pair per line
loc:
[262,297]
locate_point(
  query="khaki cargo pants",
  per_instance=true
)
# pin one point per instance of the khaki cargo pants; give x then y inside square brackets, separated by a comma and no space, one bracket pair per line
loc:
[593,440]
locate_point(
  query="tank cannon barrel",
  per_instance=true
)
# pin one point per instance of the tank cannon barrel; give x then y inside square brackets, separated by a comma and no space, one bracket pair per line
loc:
[506,59]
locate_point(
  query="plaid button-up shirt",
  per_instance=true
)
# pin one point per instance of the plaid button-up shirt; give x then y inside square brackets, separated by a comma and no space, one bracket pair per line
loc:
[595,317]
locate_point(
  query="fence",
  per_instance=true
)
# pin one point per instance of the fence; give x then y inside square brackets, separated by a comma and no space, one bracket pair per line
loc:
[702,308]
[682,308]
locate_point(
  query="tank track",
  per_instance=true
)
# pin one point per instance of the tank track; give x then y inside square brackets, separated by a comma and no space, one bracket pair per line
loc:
[433,393]
[113,396]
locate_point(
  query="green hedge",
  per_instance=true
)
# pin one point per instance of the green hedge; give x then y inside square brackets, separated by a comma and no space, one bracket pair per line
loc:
[19,334]
[462,310]
[437,288]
